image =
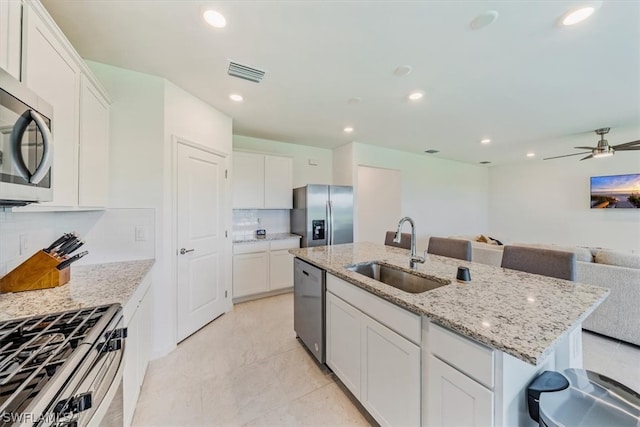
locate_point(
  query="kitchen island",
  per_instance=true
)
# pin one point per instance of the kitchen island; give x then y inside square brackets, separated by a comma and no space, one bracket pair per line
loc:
[481,342]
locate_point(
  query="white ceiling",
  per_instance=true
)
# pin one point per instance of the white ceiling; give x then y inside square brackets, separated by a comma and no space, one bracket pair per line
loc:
[523,81]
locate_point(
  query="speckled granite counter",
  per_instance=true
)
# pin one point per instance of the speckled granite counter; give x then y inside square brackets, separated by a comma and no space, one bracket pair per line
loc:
[90,285]
[268,237]
[519,313]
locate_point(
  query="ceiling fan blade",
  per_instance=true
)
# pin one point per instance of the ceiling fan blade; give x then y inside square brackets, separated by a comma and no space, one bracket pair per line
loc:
[626,144]
[566,155]
[637,147]
[586,148]
[590,156]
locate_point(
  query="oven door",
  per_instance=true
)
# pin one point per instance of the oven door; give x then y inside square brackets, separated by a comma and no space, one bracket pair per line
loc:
[25,145]
[90,398]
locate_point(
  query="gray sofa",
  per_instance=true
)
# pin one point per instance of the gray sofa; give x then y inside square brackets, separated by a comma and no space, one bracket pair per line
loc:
[619,315]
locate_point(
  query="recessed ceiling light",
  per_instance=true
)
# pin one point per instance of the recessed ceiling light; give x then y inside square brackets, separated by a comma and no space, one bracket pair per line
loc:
[485,141]
[354,100]
[348,129]
[531,154]
[402,70]
[214,18]
[414,96]
[484,19]
[577,15]
[235,97]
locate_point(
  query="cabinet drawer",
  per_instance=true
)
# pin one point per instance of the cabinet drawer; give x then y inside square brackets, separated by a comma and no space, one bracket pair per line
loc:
[249,248]
[285,244]
[394,317]
[472,358]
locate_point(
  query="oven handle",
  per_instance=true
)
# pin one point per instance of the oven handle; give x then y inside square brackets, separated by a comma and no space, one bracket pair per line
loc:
[16,141]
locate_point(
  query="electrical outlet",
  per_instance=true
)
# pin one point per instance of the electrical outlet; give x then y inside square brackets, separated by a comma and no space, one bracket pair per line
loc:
[141,233]
[24,244]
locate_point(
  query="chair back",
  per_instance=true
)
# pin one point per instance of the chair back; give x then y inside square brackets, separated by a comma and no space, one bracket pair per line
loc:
[546,262]
[405,240]
[452,248]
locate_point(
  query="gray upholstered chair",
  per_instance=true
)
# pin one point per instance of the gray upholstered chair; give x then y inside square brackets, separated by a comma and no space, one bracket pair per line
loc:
[546,262]
[452,248]
[405,240]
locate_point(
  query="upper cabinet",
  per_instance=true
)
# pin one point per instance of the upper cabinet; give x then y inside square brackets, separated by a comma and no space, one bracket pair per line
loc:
[80,123]
[11,36]
[51,72]
[93,160]
[262,181]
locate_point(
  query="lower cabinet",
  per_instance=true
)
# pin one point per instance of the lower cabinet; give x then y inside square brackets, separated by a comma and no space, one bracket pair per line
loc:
[380,367]
[455,399]
[137,319]
[262,267]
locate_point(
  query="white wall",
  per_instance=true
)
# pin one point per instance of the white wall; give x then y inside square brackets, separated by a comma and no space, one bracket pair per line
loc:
[548,202]
[343,167]
[303,172]
[375,185]
[147,112]
[443,197]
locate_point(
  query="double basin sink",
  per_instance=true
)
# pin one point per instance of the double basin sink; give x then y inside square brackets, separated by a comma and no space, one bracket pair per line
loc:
[395,277]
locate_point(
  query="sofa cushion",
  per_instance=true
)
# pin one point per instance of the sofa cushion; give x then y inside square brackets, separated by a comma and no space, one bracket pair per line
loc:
[620,259]
[582,254]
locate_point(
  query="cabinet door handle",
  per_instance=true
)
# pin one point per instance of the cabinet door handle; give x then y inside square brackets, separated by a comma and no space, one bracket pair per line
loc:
[184,251]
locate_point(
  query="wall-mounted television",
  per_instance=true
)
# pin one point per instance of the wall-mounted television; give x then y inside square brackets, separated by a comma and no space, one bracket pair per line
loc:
[615,191]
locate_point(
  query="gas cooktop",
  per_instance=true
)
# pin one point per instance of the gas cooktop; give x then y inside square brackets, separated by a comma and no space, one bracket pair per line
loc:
[40,357]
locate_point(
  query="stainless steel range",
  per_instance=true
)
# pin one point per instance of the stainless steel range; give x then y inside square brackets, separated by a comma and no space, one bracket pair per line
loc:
[60,369]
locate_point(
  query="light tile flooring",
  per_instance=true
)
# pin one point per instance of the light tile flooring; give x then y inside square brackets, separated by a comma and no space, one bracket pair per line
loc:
[247,368]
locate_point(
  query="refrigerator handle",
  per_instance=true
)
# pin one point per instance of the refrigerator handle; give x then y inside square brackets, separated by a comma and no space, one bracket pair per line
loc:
[330,221]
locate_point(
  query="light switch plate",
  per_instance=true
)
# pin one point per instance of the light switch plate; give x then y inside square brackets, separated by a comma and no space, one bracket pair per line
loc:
[141,233]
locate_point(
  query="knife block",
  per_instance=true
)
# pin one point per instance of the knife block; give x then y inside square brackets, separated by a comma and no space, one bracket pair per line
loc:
[37,272]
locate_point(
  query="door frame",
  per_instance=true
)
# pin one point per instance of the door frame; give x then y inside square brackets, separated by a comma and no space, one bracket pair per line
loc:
[226,214]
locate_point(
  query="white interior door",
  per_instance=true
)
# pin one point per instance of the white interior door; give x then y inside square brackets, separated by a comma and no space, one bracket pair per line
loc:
[200,238]
[378,203]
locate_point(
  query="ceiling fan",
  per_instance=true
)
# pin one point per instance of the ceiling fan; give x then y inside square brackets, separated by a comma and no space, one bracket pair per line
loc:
[603,149]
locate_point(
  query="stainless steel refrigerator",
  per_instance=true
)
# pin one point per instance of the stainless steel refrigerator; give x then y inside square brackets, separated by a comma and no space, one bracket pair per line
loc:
[323,214]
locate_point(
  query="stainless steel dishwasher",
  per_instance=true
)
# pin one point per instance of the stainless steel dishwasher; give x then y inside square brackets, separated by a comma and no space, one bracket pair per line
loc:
[308,307]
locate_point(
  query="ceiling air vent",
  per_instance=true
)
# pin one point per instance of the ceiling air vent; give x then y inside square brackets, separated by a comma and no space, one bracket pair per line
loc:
[245,72]
[485,162]
[432,151]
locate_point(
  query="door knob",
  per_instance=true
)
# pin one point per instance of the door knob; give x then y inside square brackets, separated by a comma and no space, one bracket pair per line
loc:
[185,251]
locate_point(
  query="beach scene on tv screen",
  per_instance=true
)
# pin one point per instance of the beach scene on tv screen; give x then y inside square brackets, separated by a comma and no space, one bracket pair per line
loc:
[617,191]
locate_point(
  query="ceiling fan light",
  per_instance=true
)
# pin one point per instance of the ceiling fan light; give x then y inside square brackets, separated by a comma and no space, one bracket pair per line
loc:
[603,154]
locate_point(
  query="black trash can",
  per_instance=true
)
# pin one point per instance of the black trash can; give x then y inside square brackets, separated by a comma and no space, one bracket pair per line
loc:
[582,398]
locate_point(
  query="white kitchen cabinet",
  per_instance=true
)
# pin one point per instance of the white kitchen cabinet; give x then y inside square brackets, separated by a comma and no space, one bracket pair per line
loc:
[263,267]
[343,342]
[93,160]
[250,273]
[137,320]
[377,363]
[11,36]
[51,72]
[390,376]
[454,399]
[261,181]
[80,122]
[278,178]
[248,180]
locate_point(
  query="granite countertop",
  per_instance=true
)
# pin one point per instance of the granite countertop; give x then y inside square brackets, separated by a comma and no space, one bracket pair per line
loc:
[268,237]
[519,313]
[90,285]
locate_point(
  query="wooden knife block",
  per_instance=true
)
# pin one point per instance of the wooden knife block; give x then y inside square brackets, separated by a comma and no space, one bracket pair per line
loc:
[38,272]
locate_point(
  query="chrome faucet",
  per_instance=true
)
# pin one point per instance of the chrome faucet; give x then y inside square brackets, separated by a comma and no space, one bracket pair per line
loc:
[414,257]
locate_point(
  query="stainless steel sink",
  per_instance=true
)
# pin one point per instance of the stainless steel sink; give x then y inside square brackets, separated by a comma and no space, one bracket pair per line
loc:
[395,277]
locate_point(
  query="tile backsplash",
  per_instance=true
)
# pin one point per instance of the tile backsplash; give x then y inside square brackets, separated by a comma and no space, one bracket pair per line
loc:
[247,221]
[110,235]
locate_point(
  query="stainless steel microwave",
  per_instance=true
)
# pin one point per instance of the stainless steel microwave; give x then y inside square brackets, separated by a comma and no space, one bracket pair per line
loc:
[26,145]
